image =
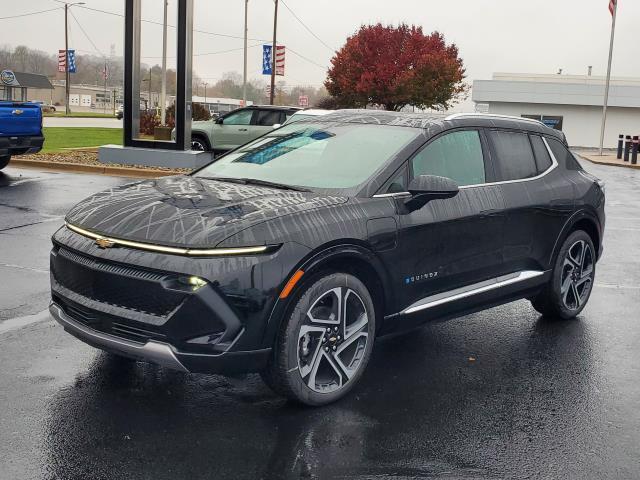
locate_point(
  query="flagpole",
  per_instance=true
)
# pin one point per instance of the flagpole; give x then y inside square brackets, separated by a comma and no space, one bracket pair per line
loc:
[608,82]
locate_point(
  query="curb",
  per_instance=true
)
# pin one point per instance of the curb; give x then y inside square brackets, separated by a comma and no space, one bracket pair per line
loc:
[95,169]
[610,164]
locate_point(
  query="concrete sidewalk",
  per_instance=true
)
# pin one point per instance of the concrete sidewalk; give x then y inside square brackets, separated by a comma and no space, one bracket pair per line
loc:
[607,158]
[82,122]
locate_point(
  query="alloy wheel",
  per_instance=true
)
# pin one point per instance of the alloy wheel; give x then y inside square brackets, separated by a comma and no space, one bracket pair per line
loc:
[577,275]
[197,145]
[332,340]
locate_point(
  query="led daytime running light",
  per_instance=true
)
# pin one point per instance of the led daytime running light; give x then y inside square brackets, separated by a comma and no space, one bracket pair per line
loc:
[192,252]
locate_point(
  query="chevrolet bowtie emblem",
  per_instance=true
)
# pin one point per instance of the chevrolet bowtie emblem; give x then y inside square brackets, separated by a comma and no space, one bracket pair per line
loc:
[104,243]
[18,112]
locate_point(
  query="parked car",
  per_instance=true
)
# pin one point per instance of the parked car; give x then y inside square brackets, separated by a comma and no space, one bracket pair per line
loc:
[237,127]
[307,114]
[20,129]
[120,112]
[290,255]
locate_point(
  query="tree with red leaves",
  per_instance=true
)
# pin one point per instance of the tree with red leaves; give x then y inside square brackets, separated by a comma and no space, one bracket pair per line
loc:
[395,67]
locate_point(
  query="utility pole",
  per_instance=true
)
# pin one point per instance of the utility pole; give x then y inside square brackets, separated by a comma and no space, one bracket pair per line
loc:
[205,92]
[273,54]
[67,77]
[163,91]
[244,77]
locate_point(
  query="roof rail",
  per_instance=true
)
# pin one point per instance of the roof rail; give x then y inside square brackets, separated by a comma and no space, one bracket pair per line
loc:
[494,115]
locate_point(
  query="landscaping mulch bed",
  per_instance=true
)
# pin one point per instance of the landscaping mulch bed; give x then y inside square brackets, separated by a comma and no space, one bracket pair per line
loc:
[90,157]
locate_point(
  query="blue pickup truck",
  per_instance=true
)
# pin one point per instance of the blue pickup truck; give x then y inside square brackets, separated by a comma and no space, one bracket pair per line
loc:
[20,129]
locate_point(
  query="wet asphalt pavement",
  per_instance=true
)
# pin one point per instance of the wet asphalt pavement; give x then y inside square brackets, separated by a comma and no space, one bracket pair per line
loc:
[499,394]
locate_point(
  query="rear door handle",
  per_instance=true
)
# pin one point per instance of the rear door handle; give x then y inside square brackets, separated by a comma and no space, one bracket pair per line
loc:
[242,129]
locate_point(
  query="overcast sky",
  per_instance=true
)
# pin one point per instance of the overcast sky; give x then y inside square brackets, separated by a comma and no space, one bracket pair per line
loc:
[538,36]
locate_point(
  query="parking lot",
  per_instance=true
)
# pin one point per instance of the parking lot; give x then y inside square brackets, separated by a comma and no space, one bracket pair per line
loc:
[502,393]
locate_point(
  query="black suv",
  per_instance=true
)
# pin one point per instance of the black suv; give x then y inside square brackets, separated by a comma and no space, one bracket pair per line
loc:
[288,256]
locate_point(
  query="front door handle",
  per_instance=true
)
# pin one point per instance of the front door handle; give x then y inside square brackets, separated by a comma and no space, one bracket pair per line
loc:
[242,129]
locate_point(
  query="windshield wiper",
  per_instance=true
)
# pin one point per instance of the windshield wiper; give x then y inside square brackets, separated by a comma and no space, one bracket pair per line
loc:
[265,183]
[261,183]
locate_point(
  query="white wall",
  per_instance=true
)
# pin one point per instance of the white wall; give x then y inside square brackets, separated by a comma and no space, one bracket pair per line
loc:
[581,124]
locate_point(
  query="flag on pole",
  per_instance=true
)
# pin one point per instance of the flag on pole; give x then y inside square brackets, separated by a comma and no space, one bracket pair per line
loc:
[105,72]
[267,59]
[612,5]
[71,55]
[62,61]
[280,51]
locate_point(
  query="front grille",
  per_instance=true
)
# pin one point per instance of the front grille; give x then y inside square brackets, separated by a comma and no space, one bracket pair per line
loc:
[105,323]
[119,285]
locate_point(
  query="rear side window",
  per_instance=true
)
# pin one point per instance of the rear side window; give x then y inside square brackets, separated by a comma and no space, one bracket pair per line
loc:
[515,156]
[268,118]
[563,155]
[543,159]
[456,155]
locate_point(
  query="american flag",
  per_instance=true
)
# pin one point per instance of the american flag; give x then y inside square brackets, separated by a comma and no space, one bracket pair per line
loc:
[105,71]
[280,51]
[612,5]
[62,61]
[266,59]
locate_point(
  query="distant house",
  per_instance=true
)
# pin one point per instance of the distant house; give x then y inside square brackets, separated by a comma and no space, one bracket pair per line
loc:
[15,85]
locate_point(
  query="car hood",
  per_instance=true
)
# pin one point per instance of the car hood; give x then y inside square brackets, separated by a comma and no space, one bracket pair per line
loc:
[186,211]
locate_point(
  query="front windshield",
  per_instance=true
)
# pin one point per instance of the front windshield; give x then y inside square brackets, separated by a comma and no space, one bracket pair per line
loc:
[298,117]
[316,155]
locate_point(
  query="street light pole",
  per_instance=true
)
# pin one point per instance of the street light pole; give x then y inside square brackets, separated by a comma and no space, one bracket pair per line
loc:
[273,53]
[205,92]
[244,77]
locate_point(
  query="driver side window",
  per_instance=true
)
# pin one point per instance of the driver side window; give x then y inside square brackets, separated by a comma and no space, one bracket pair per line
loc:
[457,155]
[243,117]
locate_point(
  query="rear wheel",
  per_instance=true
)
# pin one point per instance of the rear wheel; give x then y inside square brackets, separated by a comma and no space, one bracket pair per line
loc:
[4,161]
[325,343]
[573,275]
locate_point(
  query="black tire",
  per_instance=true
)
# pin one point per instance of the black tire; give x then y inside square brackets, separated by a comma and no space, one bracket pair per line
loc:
[569,289]
[4,161]
[199,143]
[333,363]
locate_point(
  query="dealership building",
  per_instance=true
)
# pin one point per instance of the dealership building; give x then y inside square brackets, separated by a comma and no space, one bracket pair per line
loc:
[571,103]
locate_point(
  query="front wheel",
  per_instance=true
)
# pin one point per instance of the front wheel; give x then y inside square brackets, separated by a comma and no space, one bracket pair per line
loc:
[4,161]
[572,279]
[325,343]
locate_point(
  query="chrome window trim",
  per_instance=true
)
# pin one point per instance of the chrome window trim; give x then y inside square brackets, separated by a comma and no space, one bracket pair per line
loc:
[470,290]
[554,164]
[390,195]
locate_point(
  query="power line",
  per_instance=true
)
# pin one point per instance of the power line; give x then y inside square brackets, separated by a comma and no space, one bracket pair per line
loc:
[86,35]
[31,13]
[152,22]
[306,58]
[307,28]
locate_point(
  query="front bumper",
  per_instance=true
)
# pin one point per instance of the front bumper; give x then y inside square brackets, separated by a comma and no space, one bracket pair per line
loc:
[19,145]
[161,353]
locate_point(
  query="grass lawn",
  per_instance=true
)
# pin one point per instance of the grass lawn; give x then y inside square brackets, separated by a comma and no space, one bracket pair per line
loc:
[60,138]
[109,114]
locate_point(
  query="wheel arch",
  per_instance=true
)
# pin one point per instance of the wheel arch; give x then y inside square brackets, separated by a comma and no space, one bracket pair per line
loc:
[355,258]
[201,135]
[581,220]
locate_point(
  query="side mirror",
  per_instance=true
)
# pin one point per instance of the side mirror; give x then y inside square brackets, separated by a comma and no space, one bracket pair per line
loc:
[276,125]
[425,188]
[219,120]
